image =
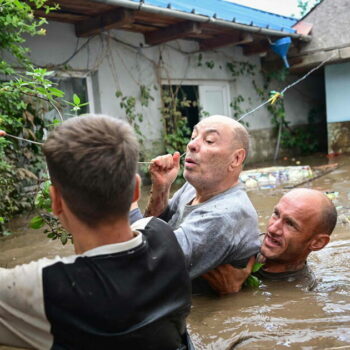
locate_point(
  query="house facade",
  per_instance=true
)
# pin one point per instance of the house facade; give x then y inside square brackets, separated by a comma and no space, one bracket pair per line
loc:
[330,21]
[121,58]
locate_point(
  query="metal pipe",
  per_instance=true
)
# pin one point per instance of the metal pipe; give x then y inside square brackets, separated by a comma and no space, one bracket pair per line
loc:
[141,6]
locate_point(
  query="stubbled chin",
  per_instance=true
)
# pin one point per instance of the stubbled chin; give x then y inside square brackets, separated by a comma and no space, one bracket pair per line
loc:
[269,248]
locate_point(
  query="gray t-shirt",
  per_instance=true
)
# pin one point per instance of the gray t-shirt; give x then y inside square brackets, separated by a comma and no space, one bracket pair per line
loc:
[222,230]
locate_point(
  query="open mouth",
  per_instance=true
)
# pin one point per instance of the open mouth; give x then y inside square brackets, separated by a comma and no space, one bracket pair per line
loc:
[189,162]
[272,242]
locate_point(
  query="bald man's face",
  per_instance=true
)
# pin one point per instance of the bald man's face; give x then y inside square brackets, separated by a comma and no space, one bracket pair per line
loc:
[291,228]
[209,153]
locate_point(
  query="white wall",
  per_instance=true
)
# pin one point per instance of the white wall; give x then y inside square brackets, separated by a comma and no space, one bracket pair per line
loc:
[337,78]
[121,67]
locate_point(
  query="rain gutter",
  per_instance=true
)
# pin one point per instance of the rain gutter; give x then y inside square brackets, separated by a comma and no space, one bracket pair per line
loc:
[141,6]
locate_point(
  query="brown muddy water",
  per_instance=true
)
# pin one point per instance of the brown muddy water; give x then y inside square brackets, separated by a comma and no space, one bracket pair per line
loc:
[278,315]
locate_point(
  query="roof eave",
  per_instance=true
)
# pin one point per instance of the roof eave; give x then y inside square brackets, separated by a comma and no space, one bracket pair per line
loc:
[141,6]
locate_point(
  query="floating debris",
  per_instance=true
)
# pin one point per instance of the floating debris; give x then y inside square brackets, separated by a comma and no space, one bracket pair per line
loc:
[332,195]
[273,177]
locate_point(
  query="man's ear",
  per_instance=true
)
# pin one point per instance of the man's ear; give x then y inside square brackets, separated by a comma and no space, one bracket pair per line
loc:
[56,200]
[319,241]
[137,189]
[237,158]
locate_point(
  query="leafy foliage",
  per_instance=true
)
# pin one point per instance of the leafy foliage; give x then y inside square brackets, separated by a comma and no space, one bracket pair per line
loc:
[253,281]
[297,139]
[21,163]
[43,204]
[305,5]
[129,104]
[176,128]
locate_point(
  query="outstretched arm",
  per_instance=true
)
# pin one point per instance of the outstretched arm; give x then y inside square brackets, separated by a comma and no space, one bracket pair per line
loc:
[226,279]
[164,170]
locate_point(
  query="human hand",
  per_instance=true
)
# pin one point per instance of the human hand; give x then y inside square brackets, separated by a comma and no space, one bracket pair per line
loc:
[164,169]
[2,133]
[226,279]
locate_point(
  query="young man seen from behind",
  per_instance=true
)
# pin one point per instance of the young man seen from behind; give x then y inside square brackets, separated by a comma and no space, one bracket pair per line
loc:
[123,289]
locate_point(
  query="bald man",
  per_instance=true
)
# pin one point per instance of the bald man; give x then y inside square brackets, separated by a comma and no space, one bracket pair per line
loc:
[301,222]
[212,216]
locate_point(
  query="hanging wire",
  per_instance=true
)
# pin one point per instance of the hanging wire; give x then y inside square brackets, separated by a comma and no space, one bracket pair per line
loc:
[271,100]
[280,94]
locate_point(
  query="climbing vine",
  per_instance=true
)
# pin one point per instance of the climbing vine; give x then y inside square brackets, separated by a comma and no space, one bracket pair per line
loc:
[176,130]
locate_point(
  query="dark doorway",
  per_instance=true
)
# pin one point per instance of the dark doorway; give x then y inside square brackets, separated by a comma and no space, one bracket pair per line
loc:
[187,102]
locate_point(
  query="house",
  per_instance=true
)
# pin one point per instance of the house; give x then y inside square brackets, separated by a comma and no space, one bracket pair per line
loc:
[330,21]
[124,55]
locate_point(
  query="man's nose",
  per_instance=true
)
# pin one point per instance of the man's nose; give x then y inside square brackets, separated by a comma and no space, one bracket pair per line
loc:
[193,145]
[275,226]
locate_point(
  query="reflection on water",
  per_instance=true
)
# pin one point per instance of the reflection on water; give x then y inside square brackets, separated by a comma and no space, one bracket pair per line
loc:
[278,315]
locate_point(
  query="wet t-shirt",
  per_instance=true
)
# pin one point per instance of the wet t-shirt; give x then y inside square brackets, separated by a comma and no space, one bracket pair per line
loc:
[304,278]
[222,230]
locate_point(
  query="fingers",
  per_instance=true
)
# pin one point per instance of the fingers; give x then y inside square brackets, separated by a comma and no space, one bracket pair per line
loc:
[250,264]
[166,162]
[176,159]
[2,133]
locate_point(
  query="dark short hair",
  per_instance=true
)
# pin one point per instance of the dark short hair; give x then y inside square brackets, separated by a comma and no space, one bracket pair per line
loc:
[92,160]
[328,217]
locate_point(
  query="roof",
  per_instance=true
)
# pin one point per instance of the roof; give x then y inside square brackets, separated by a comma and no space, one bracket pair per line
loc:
[228,11]
[212,23]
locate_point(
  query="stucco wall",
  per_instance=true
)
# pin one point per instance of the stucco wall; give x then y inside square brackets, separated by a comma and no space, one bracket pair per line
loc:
[330,21]
[116,66]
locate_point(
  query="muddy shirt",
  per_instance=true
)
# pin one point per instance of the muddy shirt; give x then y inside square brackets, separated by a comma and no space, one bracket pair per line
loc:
[130,295]
[304,278]
[222,230]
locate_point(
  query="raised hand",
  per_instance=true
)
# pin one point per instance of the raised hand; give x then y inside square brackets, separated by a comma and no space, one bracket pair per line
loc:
[164,170]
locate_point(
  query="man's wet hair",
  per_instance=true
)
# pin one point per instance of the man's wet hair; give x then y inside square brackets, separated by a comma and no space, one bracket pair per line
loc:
[328,217]
[92,160]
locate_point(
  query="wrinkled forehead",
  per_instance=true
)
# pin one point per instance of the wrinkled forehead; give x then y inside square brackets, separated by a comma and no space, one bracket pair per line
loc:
[301,207]
[219,127]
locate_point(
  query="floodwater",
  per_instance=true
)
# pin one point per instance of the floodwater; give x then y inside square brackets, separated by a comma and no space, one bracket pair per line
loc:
[278,315]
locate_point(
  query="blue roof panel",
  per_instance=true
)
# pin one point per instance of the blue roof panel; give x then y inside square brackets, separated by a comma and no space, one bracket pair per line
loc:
[228,11]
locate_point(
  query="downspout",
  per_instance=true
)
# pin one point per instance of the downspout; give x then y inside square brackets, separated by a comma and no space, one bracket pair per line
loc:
[141,6]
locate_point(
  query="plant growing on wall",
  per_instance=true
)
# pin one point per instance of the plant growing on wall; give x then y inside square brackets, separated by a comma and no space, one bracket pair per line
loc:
[297,139]
[176,130]
[129,105]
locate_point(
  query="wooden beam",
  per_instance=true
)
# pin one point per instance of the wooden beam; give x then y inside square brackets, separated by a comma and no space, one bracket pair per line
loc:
[110,20]
[256,48]
[60,16]
[174,31]
[234,38]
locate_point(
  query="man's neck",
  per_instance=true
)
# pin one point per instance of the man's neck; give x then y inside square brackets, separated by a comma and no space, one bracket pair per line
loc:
[273,266]
[205,193]
[86,238]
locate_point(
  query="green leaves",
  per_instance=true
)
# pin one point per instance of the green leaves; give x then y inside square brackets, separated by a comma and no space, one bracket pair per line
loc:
[36,222]
[253,281]
[45,218]
[76,104]
[256,267]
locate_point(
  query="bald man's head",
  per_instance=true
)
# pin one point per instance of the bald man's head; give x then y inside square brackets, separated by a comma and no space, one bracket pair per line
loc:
[240,137]
[327,214]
